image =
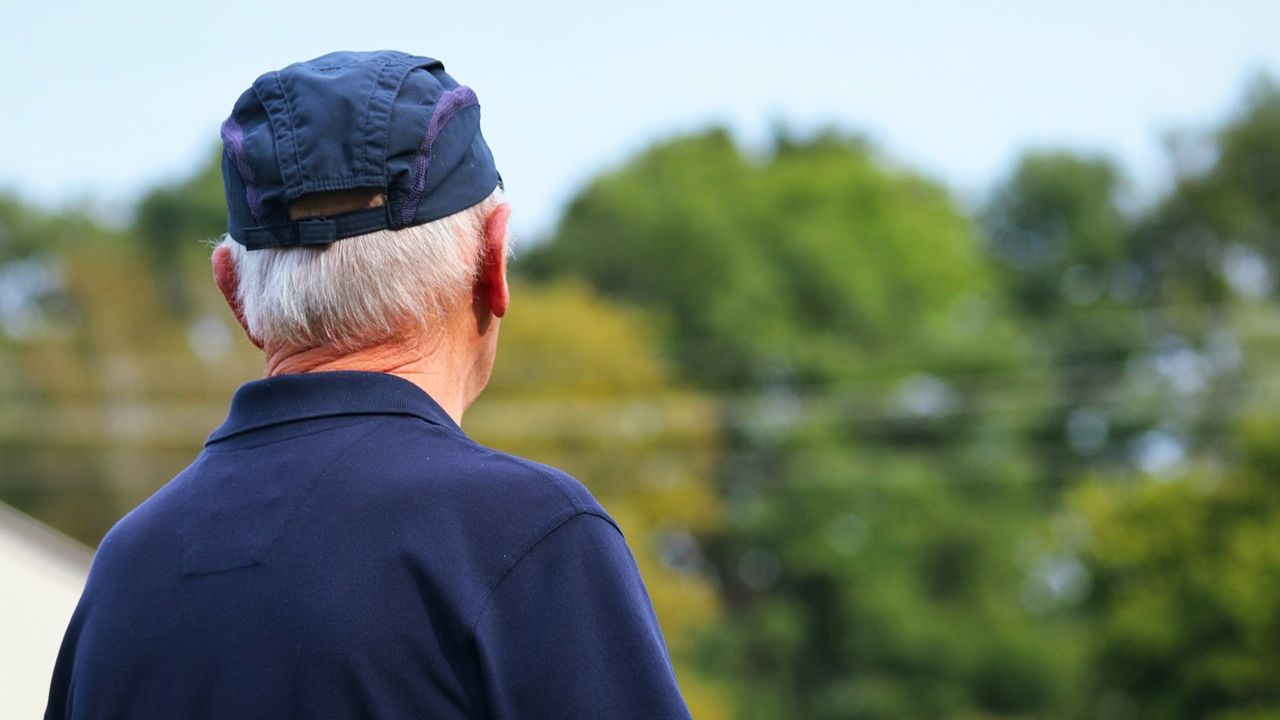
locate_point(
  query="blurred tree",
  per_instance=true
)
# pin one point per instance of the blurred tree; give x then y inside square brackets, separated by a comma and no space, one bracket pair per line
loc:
[173,224]
[743,259]
[1218,232]
[1183,550]
[42,314]
[1057,232]
[1186,574]
[843,312]
[19,235]
[1065,253]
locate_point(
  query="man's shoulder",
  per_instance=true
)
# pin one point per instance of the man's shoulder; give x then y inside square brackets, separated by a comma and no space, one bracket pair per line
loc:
[522,475]
[492,506]
[489,484]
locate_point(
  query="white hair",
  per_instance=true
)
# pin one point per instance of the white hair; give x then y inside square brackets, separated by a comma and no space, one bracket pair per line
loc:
[362,290]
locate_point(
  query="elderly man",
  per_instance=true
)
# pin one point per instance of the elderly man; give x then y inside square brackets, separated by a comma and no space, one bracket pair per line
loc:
[341,548]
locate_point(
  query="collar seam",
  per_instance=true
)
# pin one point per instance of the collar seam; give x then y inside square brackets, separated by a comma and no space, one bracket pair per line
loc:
[218,435]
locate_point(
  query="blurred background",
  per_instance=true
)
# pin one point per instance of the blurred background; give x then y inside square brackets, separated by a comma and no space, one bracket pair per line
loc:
[929,356]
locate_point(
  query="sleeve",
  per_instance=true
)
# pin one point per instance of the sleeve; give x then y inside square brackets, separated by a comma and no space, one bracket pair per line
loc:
[59,702]
[570,633]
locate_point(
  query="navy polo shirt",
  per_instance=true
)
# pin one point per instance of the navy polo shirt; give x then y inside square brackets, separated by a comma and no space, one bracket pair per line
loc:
[341,549]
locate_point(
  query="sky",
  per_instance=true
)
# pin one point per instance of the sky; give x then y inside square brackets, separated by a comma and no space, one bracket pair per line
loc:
[100,101]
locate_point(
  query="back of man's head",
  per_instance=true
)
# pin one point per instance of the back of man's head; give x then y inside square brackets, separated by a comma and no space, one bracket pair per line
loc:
[358,188]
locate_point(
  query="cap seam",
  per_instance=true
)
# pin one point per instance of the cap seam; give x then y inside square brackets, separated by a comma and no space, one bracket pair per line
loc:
[271,125]
[278,134]
[233,146]
[414,63]
[368,112]
[450,103]
[293,128]
[471,202]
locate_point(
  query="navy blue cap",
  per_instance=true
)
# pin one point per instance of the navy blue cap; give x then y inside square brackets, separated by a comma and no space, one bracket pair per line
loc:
[382,120]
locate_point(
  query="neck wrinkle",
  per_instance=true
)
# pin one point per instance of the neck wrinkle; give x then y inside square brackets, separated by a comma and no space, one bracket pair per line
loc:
[380,358]
[431,369]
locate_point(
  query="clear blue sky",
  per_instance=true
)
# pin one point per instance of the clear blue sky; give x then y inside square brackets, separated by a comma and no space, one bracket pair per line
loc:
[104,99]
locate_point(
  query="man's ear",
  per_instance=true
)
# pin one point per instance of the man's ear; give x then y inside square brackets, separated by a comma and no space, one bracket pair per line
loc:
[491,285]
[228,281]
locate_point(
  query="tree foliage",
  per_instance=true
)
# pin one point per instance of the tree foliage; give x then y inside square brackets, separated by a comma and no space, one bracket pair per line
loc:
[1186,594]
[789,265]
[846,312]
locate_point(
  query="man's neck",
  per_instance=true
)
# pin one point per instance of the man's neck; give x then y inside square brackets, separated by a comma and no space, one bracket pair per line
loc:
[436,370]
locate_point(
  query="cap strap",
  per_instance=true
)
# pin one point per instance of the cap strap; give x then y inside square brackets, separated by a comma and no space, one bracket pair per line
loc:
[318,230]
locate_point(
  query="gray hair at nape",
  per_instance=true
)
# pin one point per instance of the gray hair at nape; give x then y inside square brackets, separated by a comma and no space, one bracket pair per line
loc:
[363,290]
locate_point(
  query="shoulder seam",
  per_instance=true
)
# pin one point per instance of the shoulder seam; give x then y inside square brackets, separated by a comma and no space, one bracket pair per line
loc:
[541,470]
[514,560]
[555,480]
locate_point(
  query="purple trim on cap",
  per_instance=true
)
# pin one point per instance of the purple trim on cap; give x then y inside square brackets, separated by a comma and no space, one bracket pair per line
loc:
[450,102]
[233,141]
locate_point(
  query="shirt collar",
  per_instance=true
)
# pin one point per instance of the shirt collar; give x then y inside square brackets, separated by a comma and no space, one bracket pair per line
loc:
[302,396]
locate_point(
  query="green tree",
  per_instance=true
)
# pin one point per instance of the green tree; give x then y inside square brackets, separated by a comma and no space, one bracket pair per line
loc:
[1183,553]
[789,266]
[46,261]
[173,225]
[1211,235]
[1058,234]
[1067,259]
[843,312]
[1186,574]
